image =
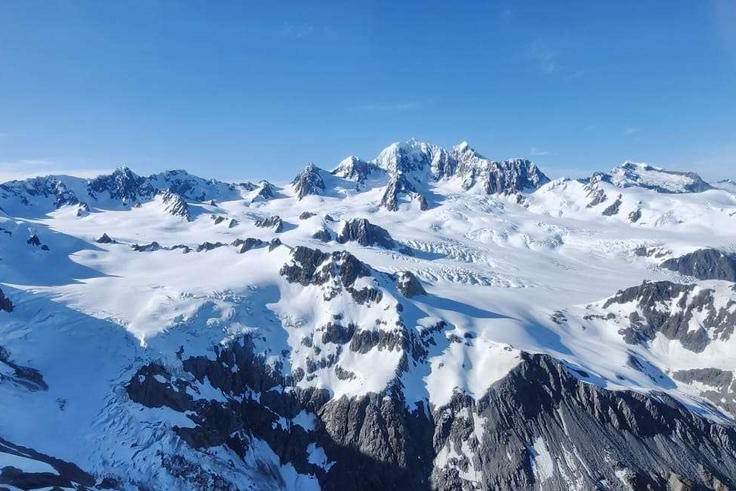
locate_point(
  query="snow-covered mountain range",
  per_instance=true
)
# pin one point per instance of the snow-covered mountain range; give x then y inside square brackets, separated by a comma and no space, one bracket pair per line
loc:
[426,319]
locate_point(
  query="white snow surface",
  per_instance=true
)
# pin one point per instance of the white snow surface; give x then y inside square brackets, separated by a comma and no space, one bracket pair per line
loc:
[496,269]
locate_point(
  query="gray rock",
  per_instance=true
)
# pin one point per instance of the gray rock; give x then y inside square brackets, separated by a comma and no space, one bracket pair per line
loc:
[153,246]
[613,208]
[275,242]
[175,205]
[105,239]
[209,246]
[26,378]
[248,244]
[323,235]
[654,314]
[363,232]
[309,181]
[720,387]
[5,303]
[65,476]
[274,222]
[705,264]
[409,285]
[398,186]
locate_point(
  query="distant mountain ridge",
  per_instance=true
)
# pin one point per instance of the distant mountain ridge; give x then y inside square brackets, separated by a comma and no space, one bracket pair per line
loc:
[427,319]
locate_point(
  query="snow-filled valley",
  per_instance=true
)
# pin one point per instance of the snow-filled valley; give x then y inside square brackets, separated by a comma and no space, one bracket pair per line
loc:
[426,319]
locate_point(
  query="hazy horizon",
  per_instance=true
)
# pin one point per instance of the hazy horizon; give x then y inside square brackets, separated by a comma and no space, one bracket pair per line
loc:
[239,90]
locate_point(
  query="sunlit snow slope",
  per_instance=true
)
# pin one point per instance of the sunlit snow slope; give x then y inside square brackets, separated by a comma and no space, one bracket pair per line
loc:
[176,332]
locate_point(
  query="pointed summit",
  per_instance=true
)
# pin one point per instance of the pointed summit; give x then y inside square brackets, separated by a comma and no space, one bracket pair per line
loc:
[309,181]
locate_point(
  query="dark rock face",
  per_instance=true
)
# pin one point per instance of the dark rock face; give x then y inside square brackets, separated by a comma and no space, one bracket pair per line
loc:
[248,244]
[505,177]
[5,303]
[175,205]
[47,187]
[336,272]
[275,242]
[398,186]
[354,169]
[635,215]
[311,267]
[273,222]
[592,434]
[309,181]
[705,264]
[104,239]
[323,234]
[721,385]
[365,233]
[540,427]
[153,246]
[658,312]
[26,378]
[613,208]
[409,285]
[209,246]
[67,476]
[513,176]
[34,240]
[123,184]
[306,215]
[598,196]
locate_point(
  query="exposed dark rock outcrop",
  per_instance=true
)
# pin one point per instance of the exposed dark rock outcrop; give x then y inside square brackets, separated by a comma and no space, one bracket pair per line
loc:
[323,235]
[399,186]
[336,271]
[274,222]
[66,475]
[544,428]
[705,264]
[275,242]
[309,181]
[123,184]
[720,387]
[540,427]
[209,246]
[669,308]
[613,208]
[409,285]
[25,377]
[153,246]
[5,303]
[104,239]
[175,205]
[365,233]
[354,169]
[248,244]
[34,240]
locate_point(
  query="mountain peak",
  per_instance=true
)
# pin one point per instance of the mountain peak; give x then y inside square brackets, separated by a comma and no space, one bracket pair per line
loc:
[647,176]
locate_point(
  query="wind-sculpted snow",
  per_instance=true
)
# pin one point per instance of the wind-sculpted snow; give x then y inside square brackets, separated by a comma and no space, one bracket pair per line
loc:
[427,319]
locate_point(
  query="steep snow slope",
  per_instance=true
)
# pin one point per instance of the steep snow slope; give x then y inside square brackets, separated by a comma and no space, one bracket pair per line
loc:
[177,354]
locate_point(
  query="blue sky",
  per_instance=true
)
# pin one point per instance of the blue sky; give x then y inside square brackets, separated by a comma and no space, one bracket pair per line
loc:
[257,89]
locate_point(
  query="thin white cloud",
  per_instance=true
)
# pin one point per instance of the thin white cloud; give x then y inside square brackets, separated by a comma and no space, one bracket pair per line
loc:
[297,31]
[631,131]
[536,152]
[544,57]
[27,168]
